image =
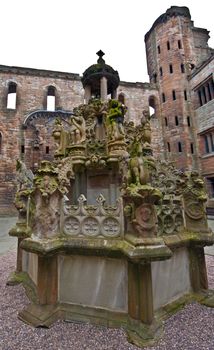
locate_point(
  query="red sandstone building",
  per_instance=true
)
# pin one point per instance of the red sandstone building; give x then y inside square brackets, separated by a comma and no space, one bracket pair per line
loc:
[181,91]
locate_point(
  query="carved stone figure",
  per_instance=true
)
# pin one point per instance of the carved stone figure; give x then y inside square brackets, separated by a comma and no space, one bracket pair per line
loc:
[61,137]
[114,120]
[78,131]
[138,172]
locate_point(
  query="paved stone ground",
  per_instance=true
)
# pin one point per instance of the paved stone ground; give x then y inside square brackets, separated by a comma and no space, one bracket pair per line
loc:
[6,242]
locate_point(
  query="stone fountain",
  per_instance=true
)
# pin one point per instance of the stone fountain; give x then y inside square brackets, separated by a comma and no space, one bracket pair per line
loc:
[106,233]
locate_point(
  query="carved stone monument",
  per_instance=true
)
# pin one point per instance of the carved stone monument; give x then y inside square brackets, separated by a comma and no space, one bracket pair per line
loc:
[109,235]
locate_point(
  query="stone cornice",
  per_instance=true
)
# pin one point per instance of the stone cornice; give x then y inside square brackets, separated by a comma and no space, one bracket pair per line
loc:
[39,72]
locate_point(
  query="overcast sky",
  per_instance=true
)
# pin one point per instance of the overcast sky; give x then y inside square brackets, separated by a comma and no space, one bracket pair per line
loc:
[65,35]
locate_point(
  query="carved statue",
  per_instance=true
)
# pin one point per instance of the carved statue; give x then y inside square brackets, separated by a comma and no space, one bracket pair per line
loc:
[138,173]
[145,124]
[114,120]
[78,131]
[25,176]
[61,137]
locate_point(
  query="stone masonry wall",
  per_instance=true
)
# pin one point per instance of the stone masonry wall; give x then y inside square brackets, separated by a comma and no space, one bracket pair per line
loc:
[31,95]
[172,47]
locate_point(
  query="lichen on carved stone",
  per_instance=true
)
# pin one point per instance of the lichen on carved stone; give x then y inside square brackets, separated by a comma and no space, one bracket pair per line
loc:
[114,120]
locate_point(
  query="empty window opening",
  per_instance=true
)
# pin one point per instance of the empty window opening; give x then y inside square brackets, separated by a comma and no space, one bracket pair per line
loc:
[159,49]
[11,96]
[168,147]
[182,68]
[179,44]
[151,111]
[152,106]
[204,94]
[170,68]
[211,142]
[192,148]
[200,98]
[166,121]
[168,45]
[209,92]
[206,144]
[188,121]
[0,143]
[161,71]
[163,97]
[210,185]
[173,95]
[185,95]
[22,149]
[179,147]
[176,120]
[51,98]
[47,150]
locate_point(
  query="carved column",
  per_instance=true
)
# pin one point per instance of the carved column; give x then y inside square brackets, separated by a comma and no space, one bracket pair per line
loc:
[114,94]
[103,88]
[87,93]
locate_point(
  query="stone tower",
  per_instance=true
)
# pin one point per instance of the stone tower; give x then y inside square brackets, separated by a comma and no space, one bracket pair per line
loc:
[174,48]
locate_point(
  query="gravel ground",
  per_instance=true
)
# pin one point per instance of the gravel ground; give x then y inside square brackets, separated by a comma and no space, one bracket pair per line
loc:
[191,328]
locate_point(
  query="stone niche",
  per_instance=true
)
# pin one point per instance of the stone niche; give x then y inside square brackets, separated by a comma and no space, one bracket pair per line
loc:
[106,234]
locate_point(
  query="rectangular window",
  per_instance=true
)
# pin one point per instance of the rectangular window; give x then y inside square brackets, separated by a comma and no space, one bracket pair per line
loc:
[170,68]
[206,144]
[210,183]
[173,95]
[22,149]
[211,142]
[200,98]
[179,44]
[161,71]
[188,121]
[192,148]
[159,49]
[168,45]
[168,146]
[182,68]
[47,150]
[206,92]
[163,97]
[185,95]
[176,120]
[179,147]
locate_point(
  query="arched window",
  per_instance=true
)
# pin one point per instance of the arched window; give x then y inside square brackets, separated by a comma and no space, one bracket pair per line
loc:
[51,98]
[153,106]
[11,96]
